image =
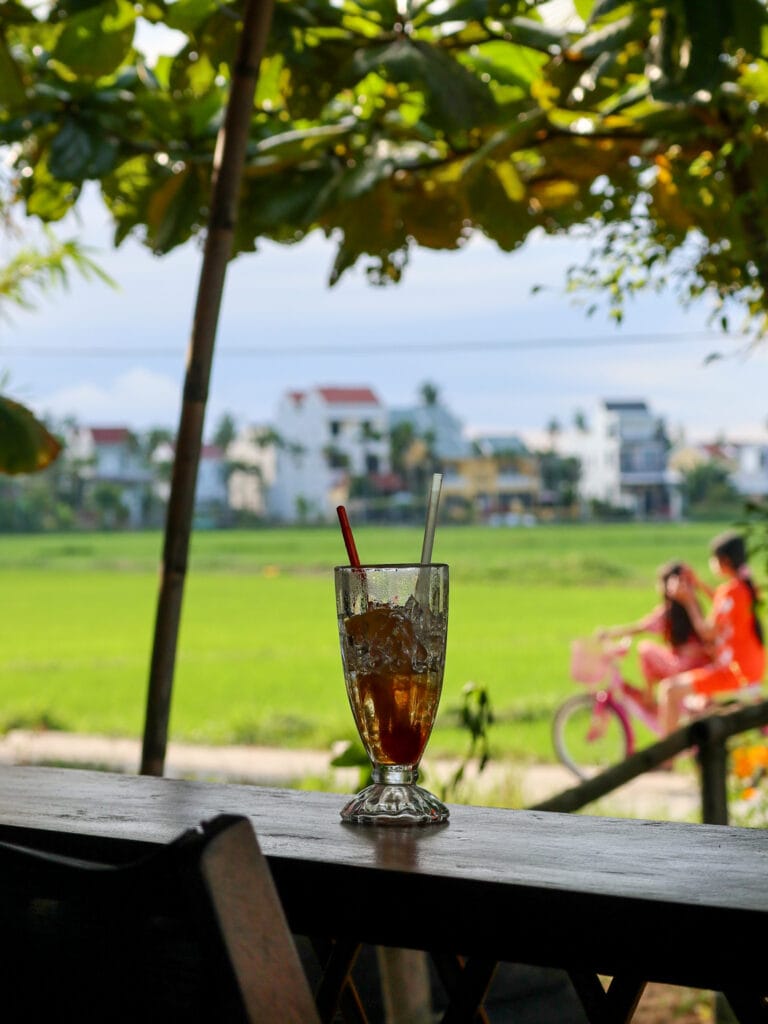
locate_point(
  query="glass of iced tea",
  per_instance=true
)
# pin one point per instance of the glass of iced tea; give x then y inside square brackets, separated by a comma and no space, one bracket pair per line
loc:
[392,627]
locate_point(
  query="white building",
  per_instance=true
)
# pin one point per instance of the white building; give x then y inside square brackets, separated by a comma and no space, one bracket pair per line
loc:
[211,497]
[749,468]
[211,487]
[111,456]
[624,460]
[253,461]
[327,435]
[746,463]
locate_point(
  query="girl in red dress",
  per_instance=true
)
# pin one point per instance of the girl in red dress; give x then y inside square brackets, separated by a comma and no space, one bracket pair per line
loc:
[732,628]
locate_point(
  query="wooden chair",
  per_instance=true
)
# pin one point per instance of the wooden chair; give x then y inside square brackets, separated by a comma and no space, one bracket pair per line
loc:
[192,932]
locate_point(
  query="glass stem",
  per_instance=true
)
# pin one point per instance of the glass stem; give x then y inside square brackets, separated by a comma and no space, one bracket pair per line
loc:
[395,774]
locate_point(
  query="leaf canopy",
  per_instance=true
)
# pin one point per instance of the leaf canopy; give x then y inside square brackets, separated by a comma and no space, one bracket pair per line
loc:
[388,125]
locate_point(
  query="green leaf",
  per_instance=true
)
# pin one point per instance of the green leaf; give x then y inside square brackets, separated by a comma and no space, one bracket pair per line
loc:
[26,446]
[603,7]
[175,210]
[628,98]
[47,197]
[459,10]
[70,152]
[186,15]
[20,127]
[77,153]
[525,31]
[508,223]
[97,41]
[351,755]
[456,98]
[707,24]
[125,193]
[14,13]
[296,146]
[500,145]
[609,37]
[364,177]
[268,86]
[537,36]
[218,36]
[285,207]
[584,9]
[78,6]
[383,12]
[510,180]
[193,76]
[749,19]
[506,63]
[11,85]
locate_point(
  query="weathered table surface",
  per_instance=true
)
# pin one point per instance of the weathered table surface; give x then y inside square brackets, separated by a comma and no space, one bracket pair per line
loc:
[681,903]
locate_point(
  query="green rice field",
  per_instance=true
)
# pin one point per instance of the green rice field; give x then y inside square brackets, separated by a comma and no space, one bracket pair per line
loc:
[258,658]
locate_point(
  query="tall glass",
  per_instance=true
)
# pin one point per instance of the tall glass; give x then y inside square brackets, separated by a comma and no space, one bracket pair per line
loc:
[393,621]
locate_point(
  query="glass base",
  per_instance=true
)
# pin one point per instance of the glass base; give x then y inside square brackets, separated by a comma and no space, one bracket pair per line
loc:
[394,799]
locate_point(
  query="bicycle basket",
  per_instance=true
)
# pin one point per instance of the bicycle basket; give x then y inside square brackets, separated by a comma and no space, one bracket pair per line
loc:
[589,661]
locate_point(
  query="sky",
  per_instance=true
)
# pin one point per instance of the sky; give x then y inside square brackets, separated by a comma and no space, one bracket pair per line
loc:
[504,360]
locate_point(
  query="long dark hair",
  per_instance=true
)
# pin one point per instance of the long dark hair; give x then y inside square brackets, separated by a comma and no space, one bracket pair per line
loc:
[678,628]
[731,548]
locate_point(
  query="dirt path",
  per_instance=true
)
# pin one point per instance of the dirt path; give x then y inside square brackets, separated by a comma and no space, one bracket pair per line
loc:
[672,795]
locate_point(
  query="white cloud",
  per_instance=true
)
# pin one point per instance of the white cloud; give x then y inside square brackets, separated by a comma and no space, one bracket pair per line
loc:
[138,398]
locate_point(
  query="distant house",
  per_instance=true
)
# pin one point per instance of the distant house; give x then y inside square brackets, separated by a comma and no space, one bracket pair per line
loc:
[110,456]
[211,496]
[624,456]
[211,489]
[746,463]
[328,435]
[252,459]
[750,473]
[443,430]
[498,477]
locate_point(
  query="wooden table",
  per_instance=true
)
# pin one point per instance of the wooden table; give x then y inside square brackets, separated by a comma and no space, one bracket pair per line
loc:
[637,900]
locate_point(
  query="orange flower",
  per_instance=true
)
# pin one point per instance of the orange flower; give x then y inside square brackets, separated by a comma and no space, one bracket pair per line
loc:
[746,760]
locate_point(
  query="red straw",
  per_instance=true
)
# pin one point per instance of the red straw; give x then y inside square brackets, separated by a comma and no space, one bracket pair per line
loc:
[349,540]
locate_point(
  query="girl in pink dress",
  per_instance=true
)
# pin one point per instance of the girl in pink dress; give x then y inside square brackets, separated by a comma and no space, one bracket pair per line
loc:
[682,647]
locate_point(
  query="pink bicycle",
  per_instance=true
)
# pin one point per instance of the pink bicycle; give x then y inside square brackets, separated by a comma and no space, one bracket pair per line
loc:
[594,729]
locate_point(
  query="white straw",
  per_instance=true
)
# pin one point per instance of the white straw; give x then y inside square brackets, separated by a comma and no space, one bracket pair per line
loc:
[429,529]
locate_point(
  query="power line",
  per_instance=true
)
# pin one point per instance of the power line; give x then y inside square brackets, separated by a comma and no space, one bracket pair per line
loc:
[373,349]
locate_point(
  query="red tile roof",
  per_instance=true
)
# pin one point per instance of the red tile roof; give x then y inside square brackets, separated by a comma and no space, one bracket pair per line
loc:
[361,396]
[109,435]
[387,483]
[211,451]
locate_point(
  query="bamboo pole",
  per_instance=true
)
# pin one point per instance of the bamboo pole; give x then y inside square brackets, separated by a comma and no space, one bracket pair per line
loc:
[228,162]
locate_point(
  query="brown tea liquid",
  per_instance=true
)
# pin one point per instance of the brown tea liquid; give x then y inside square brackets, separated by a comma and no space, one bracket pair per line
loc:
[393,683]
[395,714]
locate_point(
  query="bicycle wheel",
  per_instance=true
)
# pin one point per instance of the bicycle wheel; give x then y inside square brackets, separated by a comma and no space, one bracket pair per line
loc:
[588,737]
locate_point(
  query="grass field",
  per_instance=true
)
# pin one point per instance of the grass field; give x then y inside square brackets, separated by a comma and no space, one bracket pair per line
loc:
[258,657]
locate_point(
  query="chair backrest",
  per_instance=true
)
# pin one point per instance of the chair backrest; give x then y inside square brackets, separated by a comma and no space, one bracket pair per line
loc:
[192,932]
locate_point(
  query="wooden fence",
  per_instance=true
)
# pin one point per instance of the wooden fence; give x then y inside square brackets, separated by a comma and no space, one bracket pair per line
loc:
[708,736]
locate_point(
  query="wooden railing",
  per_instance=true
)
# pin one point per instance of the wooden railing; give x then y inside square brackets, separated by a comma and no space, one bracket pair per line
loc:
[708,736]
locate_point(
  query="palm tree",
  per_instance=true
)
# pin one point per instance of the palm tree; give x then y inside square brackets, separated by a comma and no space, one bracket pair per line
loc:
[553,429]
[429,394]
[580,422]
